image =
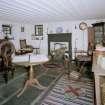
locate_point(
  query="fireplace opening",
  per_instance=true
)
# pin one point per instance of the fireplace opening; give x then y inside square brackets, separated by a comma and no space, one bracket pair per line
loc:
[58,45]
[58,50]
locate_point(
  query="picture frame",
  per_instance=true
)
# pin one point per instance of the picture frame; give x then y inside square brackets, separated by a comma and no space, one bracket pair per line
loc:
[6,29]
[37,37]
[22,29]
[38,30]
[59,30]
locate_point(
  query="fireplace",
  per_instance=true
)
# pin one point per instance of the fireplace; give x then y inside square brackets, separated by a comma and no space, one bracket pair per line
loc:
[60,41]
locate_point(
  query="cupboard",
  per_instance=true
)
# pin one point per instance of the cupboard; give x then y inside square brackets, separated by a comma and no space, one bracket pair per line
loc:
[99,35]
[96,34]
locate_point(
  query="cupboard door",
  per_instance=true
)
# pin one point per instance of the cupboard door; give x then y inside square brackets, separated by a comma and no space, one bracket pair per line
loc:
[90,35]
[98,33]
[98,37]
[104,36]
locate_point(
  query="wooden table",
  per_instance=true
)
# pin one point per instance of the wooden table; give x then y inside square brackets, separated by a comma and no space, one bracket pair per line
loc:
[30,60]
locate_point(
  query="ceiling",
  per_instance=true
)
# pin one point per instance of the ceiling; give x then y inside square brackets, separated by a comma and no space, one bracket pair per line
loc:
[34,11]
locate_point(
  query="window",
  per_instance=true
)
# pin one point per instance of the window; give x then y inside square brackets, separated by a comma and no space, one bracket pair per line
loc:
[38,30]
[6,29]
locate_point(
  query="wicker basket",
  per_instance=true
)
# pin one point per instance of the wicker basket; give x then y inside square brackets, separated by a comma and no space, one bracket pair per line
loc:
[75,75]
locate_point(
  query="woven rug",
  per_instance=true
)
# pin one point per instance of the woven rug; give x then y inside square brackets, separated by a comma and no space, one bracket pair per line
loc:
[71,92]
[53,65]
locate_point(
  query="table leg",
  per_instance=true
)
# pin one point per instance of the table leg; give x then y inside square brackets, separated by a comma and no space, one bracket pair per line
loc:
[25,87]
[44,67]
[31,82]
[35,81]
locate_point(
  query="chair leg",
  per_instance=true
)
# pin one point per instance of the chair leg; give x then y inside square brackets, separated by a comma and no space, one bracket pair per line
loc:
[6,71]
[5,75]
[12,71]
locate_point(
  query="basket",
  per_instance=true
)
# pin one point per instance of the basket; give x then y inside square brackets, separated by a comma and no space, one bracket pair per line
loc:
[75,75]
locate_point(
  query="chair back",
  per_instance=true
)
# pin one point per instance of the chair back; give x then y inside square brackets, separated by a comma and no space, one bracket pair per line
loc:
[23,43]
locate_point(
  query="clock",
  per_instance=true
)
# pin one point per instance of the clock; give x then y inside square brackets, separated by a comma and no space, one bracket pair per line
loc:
[82,26]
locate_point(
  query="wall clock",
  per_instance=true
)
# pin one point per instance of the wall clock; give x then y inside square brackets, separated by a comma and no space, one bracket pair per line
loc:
[82,26]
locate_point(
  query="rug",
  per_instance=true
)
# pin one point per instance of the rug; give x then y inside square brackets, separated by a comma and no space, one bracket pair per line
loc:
[53,65]
[71,92]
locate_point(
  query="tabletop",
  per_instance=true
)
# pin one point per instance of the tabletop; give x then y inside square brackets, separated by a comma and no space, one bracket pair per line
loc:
[30,59]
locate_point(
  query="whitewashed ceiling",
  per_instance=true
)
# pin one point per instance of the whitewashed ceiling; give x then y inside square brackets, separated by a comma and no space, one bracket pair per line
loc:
[34,11]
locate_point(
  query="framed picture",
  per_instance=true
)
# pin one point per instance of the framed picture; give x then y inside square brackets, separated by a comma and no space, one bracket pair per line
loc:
[59,30]
[6,29]
[38,30]
[22,29]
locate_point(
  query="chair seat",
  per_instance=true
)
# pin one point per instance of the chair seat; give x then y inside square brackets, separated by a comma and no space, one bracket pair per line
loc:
[23,51]
[24,48]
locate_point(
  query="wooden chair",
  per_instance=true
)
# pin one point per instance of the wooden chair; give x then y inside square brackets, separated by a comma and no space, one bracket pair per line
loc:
[24,48]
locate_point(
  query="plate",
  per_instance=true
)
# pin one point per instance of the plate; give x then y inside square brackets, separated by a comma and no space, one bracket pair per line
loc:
[59,30]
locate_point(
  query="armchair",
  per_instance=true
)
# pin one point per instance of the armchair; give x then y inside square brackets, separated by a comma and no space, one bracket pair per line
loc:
[24,48]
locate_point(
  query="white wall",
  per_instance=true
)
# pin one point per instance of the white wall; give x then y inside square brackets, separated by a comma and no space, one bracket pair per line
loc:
[67,26]
[27,34]
[17,34]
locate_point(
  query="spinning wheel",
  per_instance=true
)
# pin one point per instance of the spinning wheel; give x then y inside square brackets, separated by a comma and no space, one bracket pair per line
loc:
[6,50]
